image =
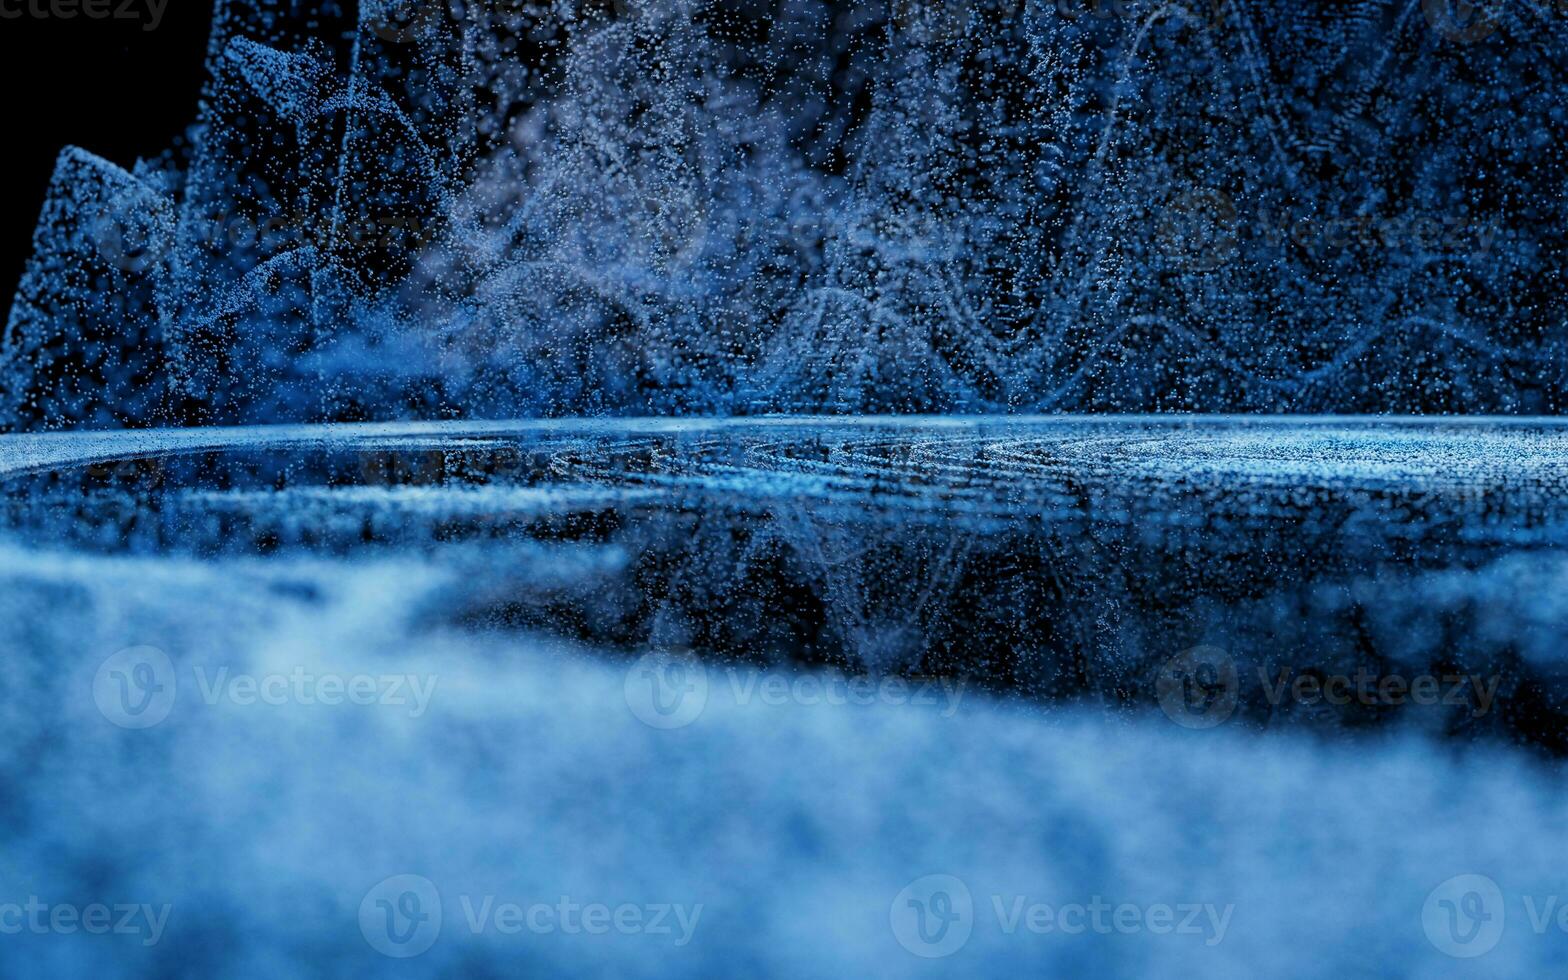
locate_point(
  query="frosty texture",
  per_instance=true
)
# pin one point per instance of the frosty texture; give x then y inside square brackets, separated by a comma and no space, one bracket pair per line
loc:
[1058,560]
[514,208]
[264,827]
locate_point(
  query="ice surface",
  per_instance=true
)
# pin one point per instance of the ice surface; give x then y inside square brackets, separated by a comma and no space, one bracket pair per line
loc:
[1060,560]
[1056,559]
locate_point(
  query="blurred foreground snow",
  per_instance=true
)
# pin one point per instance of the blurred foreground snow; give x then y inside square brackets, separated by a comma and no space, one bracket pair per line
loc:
[352,742]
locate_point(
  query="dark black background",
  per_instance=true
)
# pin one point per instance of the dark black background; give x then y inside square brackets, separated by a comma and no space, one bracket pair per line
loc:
[108,86]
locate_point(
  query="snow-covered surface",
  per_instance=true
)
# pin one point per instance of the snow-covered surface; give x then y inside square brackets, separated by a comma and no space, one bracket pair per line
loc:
[531,770]
[795,826]
[1324,446]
